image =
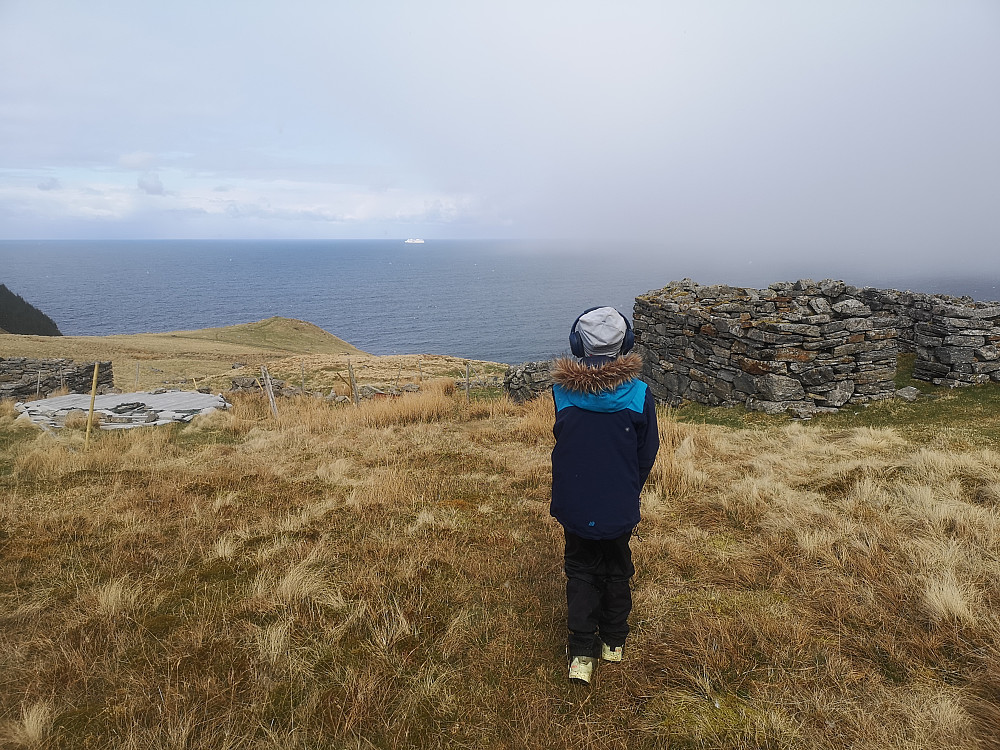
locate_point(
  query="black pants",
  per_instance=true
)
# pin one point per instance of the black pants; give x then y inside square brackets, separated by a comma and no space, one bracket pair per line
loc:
[598,595]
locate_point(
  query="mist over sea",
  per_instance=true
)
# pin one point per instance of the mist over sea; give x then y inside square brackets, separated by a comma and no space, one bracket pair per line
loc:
[504,301]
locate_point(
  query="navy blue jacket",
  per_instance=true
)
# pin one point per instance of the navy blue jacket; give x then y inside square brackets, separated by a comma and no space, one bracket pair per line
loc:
[606,443]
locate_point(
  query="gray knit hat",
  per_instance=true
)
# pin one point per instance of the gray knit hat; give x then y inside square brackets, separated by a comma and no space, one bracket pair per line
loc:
[602,332]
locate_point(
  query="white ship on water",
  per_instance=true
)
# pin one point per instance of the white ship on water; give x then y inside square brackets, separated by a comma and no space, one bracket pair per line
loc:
[414,241]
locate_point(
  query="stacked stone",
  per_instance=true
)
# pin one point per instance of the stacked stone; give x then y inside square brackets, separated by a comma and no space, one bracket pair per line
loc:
[955,338]
[24,378]
[526,381]
[802,346]
[890,302]
[957,341]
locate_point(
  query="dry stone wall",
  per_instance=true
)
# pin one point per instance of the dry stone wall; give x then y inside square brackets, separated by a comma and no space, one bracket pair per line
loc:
[24,378]
[956,339]
[528,380]
[801,346]
[807,346]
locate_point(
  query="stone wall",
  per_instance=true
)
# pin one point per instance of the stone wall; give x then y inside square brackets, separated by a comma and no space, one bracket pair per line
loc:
[801,346]
[24,378]
[526,381]
[956,339]
[807,346]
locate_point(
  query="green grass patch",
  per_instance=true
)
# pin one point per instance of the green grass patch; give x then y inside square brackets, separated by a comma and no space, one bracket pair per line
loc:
[940,413]
[969,414]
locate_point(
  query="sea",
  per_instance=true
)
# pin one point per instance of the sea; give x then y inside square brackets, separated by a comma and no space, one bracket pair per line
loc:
[497,300]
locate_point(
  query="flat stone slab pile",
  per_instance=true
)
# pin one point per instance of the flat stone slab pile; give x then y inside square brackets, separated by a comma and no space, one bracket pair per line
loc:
[122,410]
[798,346]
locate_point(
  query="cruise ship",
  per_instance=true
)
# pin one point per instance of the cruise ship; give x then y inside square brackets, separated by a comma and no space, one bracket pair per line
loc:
[413,241]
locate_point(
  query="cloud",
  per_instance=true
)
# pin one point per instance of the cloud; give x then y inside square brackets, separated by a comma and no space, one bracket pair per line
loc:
[772,128]
[150,183]
[137,160]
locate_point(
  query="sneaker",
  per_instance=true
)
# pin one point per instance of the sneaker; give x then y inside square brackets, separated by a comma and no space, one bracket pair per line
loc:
[611,654]
[581,669]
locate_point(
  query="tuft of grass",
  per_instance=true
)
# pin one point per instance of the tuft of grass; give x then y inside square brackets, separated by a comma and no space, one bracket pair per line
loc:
[117,598]
[32,730]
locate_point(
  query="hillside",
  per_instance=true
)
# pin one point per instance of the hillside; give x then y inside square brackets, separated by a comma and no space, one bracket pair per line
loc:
[388,576]
[206,357]
[19,316]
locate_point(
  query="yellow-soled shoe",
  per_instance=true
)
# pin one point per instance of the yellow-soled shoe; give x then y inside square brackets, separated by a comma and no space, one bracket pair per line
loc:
[581,669]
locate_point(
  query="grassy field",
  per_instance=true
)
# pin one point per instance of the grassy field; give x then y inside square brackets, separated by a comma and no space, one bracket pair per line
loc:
[388,576]
[205,358]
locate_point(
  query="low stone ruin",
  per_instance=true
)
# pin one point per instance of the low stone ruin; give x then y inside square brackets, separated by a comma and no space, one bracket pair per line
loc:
[21,377]
[956,339]
[805,346]
[526,381]
[799,346]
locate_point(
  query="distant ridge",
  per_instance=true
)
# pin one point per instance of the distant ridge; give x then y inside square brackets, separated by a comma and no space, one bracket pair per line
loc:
[207,355]
[20,316]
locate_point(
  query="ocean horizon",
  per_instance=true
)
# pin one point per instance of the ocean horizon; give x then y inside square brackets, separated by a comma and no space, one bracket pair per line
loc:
[498,300]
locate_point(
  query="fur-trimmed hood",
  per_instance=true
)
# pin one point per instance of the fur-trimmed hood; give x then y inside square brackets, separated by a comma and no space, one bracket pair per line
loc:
[575,375]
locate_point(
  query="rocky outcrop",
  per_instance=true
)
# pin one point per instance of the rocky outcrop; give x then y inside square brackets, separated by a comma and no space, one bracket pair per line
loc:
[25,378]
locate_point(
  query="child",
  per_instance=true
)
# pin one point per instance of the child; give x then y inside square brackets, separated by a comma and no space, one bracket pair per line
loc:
[606,442]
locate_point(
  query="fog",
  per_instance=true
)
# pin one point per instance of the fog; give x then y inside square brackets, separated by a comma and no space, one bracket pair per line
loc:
[865,134]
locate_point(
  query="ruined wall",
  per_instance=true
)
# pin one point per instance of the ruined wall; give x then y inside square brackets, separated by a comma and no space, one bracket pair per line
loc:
[527,381]
[807,346]
[802,346]
[957,340]
[24,378]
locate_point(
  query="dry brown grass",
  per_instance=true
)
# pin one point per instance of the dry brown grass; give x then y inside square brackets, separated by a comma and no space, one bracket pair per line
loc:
[205,358]
[179,356]
[388,576]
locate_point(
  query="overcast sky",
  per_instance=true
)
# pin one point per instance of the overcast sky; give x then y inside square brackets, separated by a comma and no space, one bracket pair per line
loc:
[759,126]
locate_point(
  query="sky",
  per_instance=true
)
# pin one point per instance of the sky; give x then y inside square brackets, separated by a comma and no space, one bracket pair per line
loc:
[865,127]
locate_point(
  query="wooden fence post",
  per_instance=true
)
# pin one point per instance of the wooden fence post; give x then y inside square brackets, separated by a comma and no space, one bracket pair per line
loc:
[270,391]
[93,398]
[468,389]
[354,383]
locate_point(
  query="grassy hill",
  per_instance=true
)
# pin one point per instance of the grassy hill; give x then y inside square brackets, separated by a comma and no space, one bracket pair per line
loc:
[206,357]
[388,576]
[20,316]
